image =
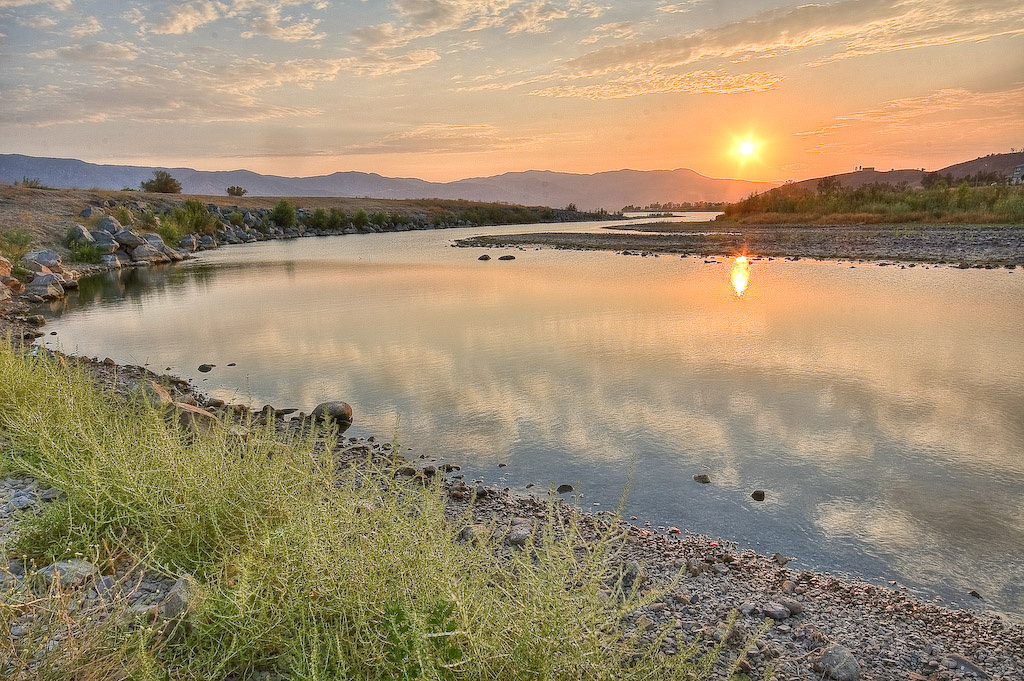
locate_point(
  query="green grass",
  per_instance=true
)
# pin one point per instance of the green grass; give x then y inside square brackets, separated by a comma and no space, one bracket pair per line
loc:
[304,567]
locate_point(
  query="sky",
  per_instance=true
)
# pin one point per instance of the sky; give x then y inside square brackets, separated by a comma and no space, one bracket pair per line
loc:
[447,89]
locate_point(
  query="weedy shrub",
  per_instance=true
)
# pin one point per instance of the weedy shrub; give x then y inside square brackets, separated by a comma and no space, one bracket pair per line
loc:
[124,215]
[303,567]
[236,218]
[191,218]
[87,253]
[14,244]
[283,214]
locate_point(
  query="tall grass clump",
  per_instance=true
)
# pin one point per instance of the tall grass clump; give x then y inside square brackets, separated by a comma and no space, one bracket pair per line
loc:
[14,244]
[191,218]
[303,567]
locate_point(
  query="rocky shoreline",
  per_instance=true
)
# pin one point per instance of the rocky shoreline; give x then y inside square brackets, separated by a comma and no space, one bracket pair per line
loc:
[822,627]
[983,246]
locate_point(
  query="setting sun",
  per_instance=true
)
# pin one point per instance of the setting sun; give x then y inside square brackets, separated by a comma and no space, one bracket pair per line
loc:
[746,148]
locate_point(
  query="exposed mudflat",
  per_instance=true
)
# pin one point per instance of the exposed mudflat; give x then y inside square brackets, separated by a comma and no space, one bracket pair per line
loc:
[969,245]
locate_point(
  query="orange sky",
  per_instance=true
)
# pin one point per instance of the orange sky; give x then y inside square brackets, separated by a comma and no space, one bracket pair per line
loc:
[445,89]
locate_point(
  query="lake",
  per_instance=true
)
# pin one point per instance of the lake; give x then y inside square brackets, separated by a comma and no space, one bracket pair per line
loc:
[881,409]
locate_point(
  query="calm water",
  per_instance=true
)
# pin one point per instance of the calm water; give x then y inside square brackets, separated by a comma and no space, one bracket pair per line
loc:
[881,409]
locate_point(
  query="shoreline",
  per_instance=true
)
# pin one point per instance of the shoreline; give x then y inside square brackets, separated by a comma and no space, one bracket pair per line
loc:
[885,633]
[976,246]
[888,633]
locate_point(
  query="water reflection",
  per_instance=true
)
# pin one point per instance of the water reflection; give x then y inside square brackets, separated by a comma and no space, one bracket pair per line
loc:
[884,427]
[740,275]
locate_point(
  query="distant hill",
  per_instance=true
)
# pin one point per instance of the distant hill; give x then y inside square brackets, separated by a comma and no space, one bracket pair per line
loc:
[610,190]
[1002,164]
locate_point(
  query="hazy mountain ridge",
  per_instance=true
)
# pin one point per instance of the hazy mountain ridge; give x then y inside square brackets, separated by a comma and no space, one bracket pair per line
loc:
[1002,164]
[609,189]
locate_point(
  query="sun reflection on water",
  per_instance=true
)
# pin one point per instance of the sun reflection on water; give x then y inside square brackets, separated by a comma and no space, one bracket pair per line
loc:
[740,275]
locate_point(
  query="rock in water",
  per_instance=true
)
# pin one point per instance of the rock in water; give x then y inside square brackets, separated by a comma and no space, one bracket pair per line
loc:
[206,368]
[839,664]
[339,412]
[45,286]
[484,257]
[562,489]
[757,495]
[507,257]
[702,478]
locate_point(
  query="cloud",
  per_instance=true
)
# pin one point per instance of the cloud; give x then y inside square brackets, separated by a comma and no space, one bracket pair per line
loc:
[56,4]
[534,18]
[271,24]
[680,7]
[36,22]
[441,138]
[99,52]
[696,82]
[857,27]
[619,30]
[134,16]
[191,91]
[90,27]
[187,17]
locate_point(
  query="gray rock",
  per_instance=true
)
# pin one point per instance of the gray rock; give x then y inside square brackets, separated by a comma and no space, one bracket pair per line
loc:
[128,238]
[155,240]
[794,607]
[702,478]
[46,258]
[109,224]
[563,489]
[23,500]
[776,611]
[207,242]
[633,575]
[180,599]
[757,495]
[189,242]
[69,572]
[506,257]
[839,664]
[78,235]
[333,411]
[91,211]
[519,535]
[111,260]
[484,257]
[148,253]
[46,286]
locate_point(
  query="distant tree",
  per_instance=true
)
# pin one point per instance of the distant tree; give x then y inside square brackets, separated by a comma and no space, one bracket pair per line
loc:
[283,214]
[318,220]
[361,219]
[235,190]
[162,183]
[571,207]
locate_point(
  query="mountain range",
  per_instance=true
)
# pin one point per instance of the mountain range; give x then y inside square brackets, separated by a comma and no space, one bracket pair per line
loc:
[609,190]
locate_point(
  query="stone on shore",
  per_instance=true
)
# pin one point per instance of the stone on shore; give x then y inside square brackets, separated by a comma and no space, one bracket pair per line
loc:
[78,235]
[839,664]
[74,571]
[47,286]
[47,258]
[109,224]
[5,267]
[148,253]
[189,243]
[191,417]
[128,238]
[328,412]
[180,599]
[776,611]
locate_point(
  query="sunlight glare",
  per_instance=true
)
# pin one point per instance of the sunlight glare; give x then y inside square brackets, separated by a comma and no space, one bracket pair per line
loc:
[740,275]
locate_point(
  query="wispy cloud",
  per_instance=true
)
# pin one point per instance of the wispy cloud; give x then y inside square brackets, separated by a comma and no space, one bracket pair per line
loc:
[696,82]
[56,4]
[441,138]
[187,17]
[37,22]
[262,17]
[90,27]
[99,52]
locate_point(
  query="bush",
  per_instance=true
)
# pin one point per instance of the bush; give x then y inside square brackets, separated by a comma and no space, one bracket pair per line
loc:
[236,219]
[86,253]
[361,219]
[283,214]
[235,190]
[193,217]
[14,244]
[337,219]
[300,565]
[124,215]
[318,220]
[162,183]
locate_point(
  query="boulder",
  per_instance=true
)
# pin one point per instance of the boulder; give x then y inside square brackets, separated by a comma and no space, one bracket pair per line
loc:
[111,260]
[45,286]
[13,284]
[46,258]
[484,257]
[148,253]
[506,257]
[702,478]
[69,572]
[329,412]
[33,266]
[78,235]
[5,267]
[128,238]
[839,664]
[180,599]
[206,243]
[109,224]
[154,239]
[189,243]
[91,211]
